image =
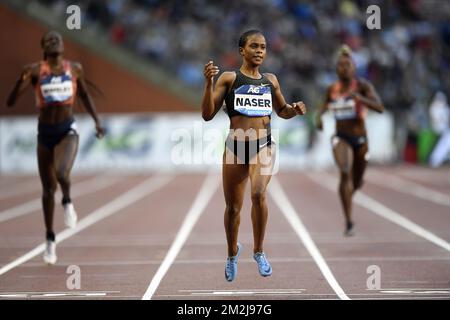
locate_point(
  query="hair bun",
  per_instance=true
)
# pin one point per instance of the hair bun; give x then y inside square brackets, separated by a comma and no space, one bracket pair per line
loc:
[345,50]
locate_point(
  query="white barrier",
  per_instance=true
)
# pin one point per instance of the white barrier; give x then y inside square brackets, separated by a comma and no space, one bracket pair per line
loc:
[181,141]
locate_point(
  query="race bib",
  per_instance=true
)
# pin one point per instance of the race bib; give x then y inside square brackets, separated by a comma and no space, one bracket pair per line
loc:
[253,100]
[343,108]
[57,88]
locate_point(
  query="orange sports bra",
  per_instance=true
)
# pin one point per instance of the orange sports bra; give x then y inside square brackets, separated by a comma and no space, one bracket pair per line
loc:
[52,89]
[342,105]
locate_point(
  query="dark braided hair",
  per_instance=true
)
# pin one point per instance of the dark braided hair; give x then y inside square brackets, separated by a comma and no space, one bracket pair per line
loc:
[245,35]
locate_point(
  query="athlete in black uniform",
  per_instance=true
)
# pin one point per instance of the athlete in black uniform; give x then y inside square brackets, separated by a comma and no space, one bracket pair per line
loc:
[249,97]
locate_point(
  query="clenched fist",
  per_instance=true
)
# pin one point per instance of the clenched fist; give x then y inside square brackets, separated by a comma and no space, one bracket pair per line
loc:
[299,107]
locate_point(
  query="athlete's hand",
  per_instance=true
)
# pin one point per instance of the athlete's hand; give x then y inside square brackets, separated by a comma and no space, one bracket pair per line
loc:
[299,107]
[210,71]
[100,131]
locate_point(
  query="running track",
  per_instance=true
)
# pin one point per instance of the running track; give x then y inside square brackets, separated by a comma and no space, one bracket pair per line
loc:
[161,236]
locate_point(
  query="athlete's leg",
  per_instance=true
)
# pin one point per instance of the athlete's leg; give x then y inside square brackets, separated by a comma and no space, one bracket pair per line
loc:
[48,180]
[359,166]
[343,155]
[234,178]
[260,174]
[65,153]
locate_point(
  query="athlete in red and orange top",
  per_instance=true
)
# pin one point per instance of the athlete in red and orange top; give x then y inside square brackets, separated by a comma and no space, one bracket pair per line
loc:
[56,82]
[348,99]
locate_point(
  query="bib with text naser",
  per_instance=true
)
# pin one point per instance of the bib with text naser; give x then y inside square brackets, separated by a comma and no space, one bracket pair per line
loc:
[253,100]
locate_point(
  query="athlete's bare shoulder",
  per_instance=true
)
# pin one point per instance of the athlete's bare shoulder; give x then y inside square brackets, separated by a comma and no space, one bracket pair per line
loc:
[30,70]
[365,85]
[272,78]
[363,81]
[332,86]
[226,79]
[228,76]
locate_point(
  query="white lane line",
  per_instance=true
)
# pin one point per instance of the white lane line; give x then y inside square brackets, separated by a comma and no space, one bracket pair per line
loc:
[293,218]
[378,208]
[408,187]
[413,290]
[79,294]
[132,196]
[206,192]
[235,290]
[79,189]
[246,292]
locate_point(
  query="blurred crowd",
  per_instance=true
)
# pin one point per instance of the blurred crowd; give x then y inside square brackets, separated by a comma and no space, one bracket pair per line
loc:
[407,60]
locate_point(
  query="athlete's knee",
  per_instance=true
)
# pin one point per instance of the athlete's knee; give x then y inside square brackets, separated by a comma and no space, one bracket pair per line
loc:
[48,191]
[346,177]
[62,176]
[258,197]
[232,209]
[346,183]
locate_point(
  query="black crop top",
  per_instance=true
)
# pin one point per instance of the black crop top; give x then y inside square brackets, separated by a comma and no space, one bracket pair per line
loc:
[249,97]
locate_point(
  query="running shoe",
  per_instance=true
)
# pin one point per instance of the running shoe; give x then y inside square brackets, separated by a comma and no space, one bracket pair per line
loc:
[349,230]
[70,216]
[231,265]
[50,252]
[264,267]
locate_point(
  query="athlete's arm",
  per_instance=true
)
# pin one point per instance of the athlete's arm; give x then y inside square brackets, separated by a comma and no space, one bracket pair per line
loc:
[29,72]
[87,99]
[283,109]
[323,108]
[214,95]
[369,96]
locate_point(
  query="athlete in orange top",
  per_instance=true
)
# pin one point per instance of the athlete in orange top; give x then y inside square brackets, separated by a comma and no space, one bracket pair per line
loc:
[348,99]
[56,82]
